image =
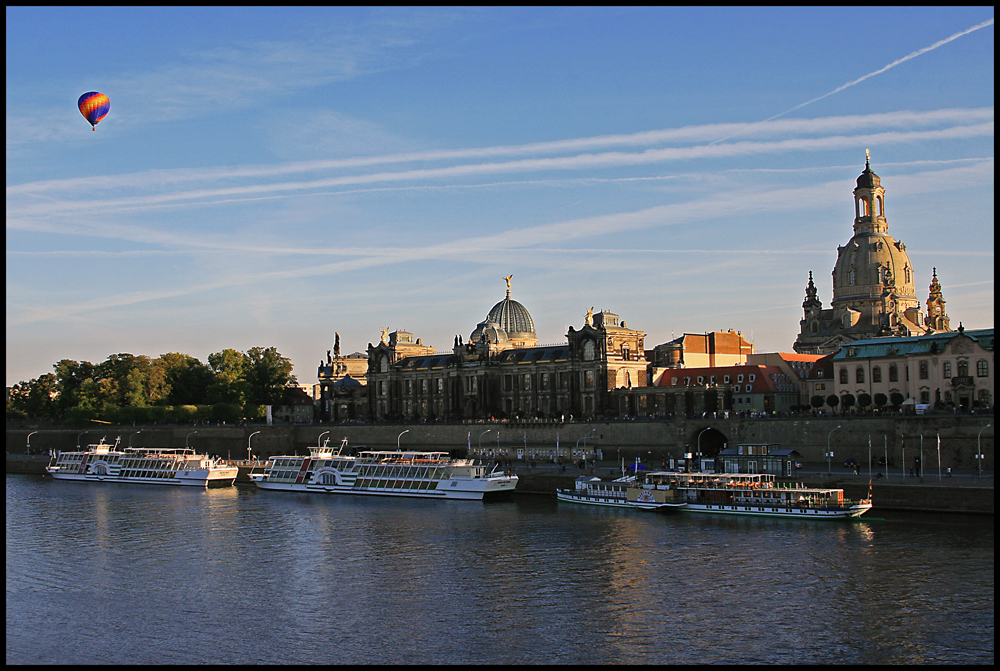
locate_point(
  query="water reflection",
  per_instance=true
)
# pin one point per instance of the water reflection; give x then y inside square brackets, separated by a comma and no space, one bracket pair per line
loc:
[242,575]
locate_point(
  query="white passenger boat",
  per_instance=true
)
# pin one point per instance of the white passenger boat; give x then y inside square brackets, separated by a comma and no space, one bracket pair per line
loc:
[758,494]
[432,475]
[623,492]
[145,465]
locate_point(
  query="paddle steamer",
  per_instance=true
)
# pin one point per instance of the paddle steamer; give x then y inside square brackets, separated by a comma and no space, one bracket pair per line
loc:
[758,494]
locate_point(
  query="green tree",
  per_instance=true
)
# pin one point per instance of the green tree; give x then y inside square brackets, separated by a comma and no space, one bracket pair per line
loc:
[227,385]
[185,379]
[896,398]
[881,399]
[817,401]
[847,401]
[833,401]
[864,400]
[70,378]
[266,375]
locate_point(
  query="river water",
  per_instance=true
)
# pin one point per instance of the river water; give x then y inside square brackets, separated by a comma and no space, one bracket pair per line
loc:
[122,574]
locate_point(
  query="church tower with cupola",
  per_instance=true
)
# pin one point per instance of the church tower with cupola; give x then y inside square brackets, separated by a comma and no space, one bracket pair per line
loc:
[873,282]
[937,319]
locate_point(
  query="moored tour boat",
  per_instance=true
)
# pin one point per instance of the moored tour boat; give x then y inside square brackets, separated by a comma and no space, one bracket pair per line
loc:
[623,492]
[432,475]
[141,465]
[758,494]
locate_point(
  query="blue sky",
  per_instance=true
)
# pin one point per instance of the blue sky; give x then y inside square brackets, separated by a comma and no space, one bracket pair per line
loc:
[273,176]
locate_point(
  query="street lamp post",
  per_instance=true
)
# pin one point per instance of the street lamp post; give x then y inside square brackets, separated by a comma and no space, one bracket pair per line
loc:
[130,437]
[699,445]
[188,436]
[79,437]
[28,448]
[979,449]
[320,436]
[248,443]
[400,436]
[584,439]
[829,452]
[481,441]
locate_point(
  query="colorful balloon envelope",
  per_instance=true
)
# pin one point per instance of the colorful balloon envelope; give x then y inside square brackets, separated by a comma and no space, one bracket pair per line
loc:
[94,106]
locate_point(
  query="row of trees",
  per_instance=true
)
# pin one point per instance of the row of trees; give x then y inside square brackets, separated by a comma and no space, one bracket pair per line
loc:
[862,401]
[172,387]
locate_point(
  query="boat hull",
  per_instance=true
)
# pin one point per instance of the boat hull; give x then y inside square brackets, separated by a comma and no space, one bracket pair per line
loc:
[772,511]
[464,490]
[617,502]
[223,478]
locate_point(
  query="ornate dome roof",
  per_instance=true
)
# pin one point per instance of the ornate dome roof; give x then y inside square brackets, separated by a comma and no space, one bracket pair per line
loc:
[512,317]
[868,179]
[494,334]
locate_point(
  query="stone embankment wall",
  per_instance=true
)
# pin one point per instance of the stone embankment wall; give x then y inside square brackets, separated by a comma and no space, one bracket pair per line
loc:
[651,440]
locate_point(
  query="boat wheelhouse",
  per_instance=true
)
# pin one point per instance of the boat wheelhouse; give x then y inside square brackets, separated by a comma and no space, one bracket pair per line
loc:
[141,465]
[758,494]
[385,473]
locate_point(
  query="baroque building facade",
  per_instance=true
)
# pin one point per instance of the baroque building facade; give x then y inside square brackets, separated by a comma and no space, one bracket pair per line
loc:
[501,371]
[946,370]
[873,284]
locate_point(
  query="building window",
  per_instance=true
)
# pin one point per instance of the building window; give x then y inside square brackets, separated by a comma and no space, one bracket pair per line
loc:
[859,375]
[712,380]
[876,374]
[983,368]
[893,373]
[925,397]
[819,373]
[850,277]
[963,368]
[440,385]
[923,370]
[726,379]
[701,379]
[752,378]
[687,381]
[749,388]
[527,382]
[588,379]
[946,369]
[739,378]
[843,376]
[673,380]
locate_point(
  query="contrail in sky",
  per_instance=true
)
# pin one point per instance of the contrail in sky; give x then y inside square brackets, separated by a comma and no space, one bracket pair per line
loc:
[870,74]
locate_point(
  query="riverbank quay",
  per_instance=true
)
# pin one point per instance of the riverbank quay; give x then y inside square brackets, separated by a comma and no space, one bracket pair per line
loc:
[901,438]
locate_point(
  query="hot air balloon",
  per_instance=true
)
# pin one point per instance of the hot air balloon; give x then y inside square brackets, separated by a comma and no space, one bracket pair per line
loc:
[94,106]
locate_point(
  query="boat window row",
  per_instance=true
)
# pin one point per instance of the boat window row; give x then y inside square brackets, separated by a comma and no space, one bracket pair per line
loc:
[378,483]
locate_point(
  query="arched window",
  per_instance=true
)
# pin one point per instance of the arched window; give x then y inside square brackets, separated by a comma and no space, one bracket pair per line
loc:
[877,374]
[923,370]
[946,369]
[862,207]
[906,274]
[878,205]
[859,375]
[983,368]
[850,277]
[843,376]
[893,373]
[963,368]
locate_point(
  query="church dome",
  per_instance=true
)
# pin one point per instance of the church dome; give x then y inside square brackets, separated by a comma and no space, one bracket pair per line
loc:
[868,179]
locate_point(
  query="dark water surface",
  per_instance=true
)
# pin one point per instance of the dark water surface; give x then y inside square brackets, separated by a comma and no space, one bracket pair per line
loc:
[121,574]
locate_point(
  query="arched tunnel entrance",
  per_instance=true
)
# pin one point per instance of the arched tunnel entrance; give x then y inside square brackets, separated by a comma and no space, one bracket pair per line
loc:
[708,441]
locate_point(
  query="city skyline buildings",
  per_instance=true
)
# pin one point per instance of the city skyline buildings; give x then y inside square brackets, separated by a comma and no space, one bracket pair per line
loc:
[402,167]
